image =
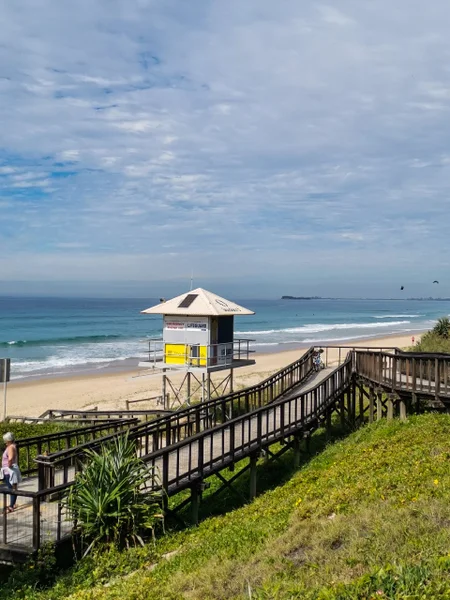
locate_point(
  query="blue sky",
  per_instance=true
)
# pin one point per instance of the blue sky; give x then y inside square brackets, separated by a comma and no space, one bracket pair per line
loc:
[290,147]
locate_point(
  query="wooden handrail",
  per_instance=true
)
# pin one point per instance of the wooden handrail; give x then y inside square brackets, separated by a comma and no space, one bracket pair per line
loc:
[36,445]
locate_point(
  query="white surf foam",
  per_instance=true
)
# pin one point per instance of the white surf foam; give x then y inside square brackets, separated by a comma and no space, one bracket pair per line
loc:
[396,316]
[320,327]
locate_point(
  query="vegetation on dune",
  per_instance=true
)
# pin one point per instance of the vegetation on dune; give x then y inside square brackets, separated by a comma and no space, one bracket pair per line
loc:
[436,340]
[442,328]
[369,517]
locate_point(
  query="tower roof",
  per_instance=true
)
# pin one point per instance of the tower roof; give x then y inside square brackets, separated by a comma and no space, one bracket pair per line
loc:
[199,303]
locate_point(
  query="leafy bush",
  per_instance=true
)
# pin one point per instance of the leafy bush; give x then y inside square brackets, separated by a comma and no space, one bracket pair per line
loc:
[432,342]
[26,430]
[442,328]
[436,340]
[111,500]
[37,572]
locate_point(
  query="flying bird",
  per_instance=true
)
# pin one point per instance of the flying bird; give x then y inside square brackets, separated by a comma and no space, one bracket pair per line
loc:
[435,281]
[403,287]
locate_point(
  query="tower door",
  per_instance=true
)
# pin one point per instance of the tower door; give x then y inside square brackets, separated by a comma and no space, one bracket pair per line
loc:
[214,340]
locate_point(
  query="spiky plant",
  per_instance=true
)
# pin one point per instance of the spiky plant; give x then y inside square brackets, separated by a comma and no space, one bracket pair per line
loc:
[111,500]
[442,327]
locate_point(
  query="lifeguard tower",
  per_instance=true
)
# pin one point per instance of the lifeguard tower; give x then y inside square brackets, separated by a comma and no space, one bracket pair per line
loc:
[198,339]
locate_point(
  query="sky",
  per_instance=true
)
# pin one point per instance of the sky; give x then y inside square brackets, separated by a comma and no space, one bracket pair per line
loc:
[268,147]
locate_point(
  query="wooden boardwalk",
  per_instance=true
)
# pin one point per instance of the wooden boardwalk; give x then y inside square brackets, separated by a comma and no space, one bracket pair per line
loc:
[18,530]
[187,462]
[189,445]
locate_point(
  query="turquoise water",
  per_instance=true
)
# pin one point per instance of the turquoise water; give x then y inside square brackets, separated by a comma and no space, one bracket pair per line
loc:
[55,336]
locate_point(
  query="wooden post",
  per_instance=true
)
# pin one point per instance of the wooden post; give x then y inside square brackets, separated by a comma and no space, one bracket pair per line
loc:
[308,441]
[402,409]
[296,448]
[437,378]
[42,476]
[390,408]
[353,402]
[342,409]
[253,476]
[328,424]
[231,380]
[379,405]
[361,403]
[36,522]
[208,377]
[195,502]
[166,404]
[203,386]
[188,388]
[371,404]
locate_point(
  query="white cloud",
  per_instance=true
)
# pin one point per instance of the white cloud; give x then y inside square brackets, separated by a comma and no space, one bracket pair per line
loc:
[334,16]
[257,130]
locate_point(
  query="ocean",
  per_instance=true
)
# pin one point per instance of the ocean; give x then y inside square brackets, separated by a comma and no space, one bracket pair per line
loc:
[61,337]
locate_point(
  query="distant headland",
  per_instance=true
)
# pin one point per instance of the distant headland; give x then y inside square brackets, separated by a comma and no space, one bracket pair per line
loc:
[301,297]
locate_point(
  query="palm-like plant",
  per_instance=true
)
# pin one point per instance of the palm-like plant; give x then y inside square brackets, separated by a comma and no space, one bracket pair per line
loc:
[112,500]
[442,327]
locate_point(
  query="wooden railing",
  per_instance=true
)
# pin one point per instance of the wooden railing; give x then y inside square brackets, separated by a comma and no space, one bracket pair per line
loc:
[41,517]
[66,439]
[424,373]
[183,423]
[98,415]
[211,450]
[341,352]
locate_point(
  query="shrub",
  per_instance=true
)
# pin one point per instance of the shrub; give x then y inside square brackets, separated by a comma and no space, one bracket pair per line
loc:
[442,327]
[111,500]
[38,572]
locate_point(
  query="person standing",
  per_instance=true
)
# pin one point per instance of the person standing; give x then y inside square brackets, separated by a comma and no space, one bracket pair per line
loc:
[11,472]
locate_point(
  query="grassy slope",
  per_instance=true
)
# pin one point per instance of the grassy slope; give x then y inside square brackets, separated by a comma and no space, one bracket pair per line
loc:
[367,518]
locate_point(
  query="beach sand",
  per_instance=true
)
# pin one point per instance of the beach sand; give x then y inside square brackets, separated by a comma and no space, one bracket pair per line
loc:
[111,391]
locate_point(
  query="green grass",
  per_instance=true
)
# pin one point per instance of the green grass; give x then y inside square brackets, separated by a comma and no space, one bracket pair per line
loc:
[369,517]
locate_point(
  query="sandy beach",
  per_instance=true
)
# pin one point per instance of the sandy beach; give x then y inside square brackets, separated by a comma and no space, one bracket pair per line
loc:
[111,391]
